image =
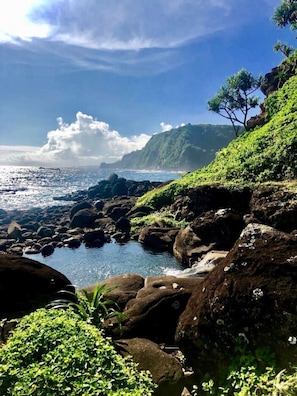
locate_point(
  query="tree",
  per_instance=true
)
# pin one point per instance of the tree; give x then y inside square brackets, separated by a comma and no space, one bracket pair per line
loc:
[285,49]
[234,100]
[286,14]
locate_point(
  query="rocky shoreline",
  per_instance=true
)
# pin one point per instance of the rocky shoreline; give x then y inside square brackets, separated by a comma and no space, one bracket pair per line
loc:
[245,237]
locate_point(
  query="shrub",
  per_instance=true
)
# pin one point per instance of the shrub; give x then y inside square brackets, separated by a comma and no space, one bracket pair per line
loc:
[54,352]
[94,308]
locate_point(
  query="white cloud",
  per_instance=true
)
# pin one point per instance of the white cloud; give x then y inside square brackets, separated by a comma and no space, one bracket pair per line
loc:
[126,37]
[122,25]
[165,127]
[83,142]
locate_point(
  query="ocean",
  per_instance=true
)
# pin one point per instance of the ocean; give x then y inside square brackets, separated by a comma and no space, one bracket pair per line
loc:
[22,188]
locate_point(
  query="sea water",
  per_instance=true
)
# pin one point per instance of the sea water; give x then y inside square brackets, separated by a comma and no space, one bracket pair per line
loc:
[26,187]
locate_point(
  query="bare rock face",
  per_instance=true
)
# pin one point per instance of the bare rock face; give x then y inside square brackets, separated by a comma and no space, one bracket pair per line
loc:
[26,285]
[251,295]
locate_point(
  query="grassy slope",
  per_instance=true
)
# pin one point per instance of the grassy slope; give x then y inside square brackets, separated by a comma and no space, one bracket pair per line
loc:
[268,153]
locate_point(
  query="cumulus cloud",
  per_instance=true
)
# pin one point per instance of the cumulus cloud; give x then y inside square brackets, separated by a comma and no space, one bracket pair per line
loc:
[165,127]
[86,141]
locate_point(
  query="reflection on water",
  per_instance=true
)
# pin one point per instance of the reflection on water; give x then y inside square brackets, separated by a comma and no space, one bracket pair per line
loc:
[84,266]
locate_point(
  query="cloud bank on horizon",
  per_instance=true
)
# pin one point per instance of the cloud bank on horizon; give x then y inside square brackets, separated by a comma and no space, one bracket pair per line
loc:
[86,141]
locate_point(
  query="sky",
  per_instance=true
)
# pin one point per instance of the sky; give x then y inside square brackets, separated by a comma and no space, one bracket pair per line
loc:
[87,81]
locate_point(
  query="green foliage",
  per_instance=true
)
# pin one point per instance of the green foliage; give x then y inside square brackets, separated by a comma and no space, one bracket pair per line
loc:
[166,218]
[94,308]
[266,154]
[234,100]
[184,148]
[285,49]
[252,374]
[286,14]
[54,352]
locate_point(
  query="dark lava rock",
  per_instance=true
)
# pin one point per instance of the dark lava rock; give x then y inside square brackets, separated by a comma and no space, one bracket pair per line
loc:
[154,312]
[275,206]
[158,238]
[250,295]
[26,285]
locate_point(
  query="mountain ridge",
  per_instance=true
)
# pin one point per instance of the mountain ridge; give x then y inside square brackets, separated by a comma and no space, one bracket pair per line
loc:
[184,148]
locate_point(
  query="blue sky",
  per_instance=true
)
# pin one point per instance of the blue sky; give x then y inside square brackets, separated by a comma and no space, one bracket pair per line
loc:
[84,82]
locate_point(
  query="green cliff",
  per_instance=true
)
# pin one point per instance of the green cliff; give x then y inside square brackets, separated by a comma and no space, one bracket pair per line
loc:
[264,154]
[185,148]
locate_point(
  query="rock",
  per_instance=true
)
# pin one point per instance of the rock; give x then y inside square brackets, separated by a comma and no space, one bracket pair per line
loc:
[73,242]
[275,206]
[205,265]
[166,370]
[124,288]
[45,231]
[123,224]
[14,230]
[79,206]
[83,218]
[188,247]
[47,250]
[94,237]
[26,285]
[159,238]
[154,312]
[211,197]
[219,227]
[250,295]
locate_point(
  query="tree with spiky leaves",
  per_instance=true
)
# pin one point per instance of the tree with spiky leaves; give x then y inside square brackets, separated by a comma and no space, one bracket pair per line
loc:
[235,99]
[286,14]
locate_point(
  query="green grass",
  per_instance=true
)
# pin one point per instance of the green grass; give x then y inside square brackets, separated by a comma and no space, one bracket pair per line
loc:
[265,154]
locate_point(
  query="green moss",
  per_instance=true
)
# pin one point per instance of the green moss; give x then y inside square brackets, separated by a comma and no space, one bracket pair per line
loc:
[268,153]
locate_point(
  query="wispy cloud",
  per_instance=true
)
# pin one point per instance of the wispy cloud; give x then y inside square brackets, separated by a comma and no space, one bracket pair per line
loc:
[86,141]
[125,37]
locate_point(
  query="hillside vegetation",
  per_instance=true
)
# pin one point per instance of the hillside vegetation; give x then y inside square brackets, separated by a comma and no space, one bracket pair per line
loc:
[185,148]
[267,153]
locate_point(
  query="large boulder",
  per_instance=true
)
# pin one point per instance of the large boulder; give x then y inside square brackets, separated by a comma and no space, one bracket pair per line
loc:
[166,370]
[211,197]
[275,206]
[123,288]
[83,218]
[251,296]
[26,285]
[154,312]
[188,248]
[158,238]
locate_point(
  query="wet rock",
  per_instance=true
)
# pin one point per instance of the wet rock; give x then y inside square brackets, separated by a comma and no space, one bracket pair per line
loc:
[47,250]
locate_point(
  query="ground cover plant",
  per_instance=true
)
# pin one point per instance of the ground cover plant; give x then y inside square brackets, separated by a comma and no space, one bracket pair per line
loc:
[267,153]
[55,352]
